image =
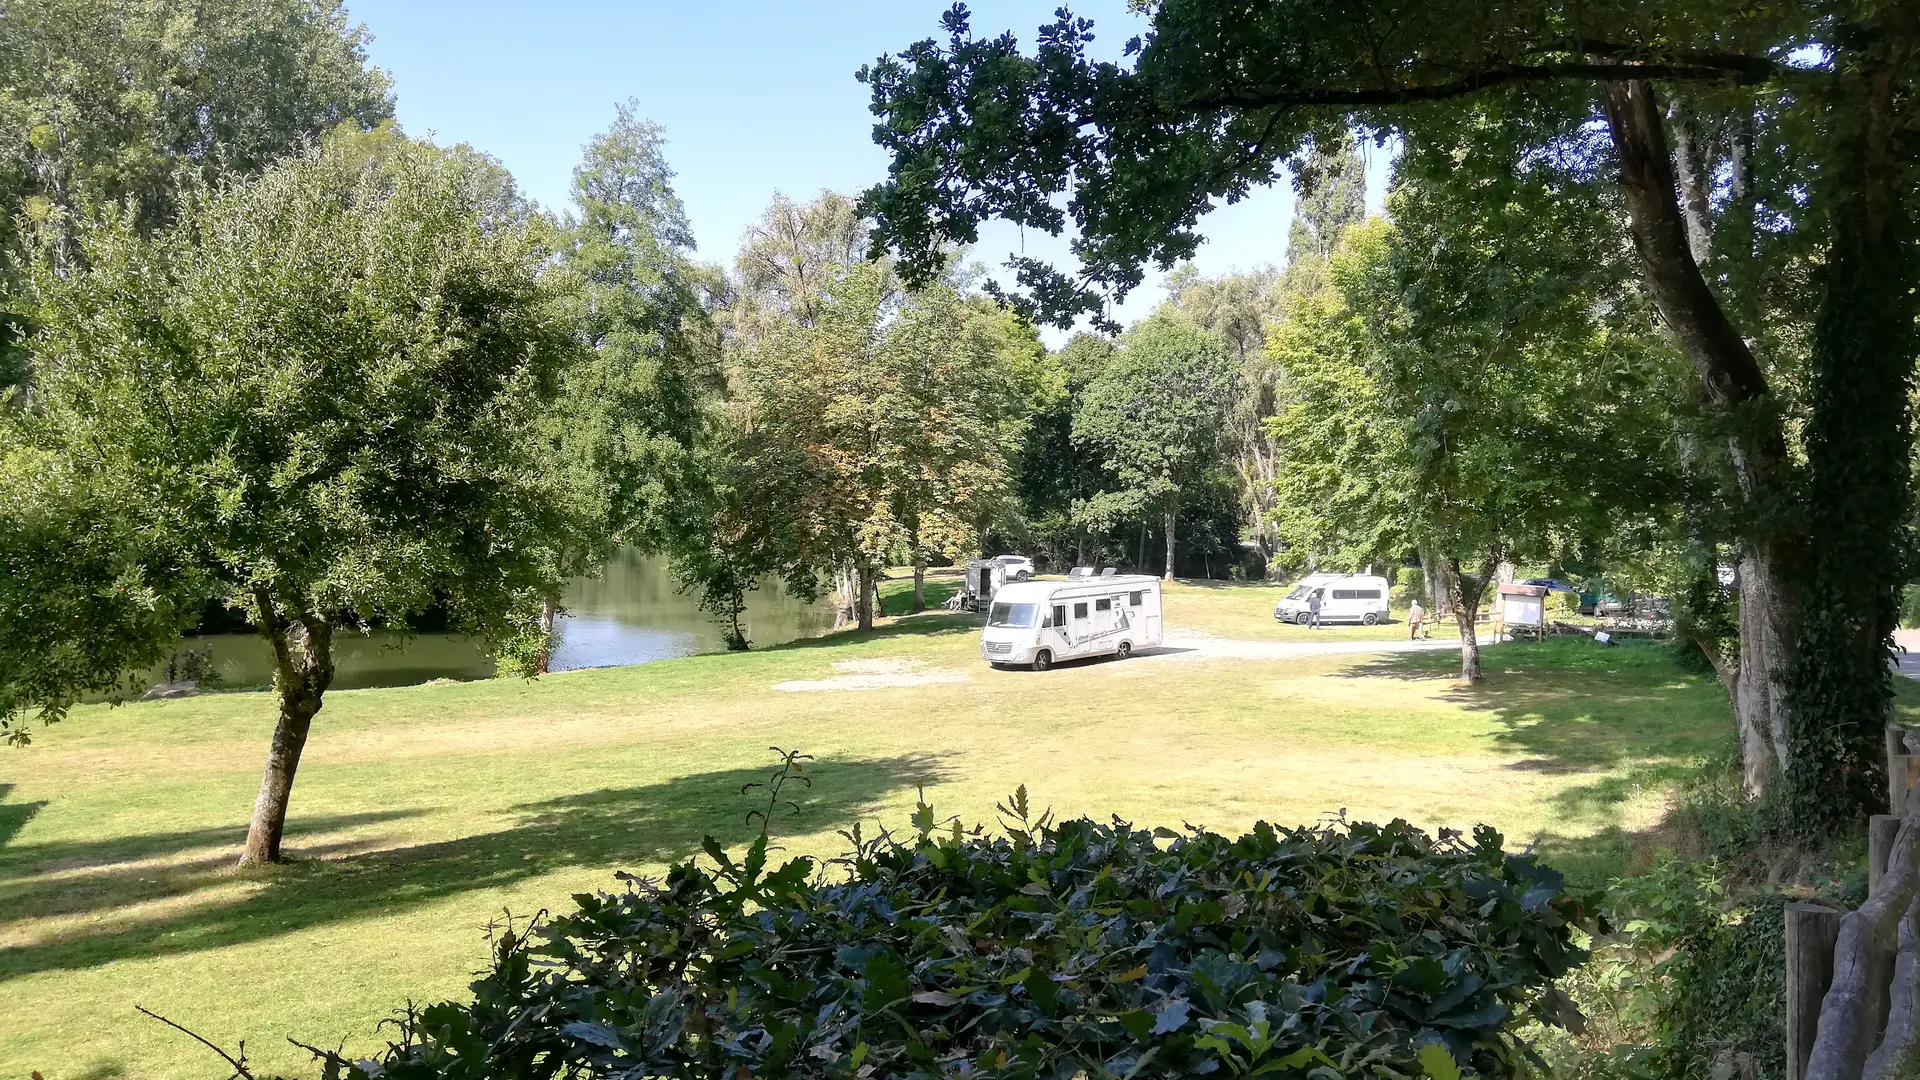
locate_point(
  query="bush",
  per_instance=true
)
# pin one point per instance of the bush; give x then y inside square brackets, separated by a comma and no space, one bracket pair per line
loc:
[1056,950]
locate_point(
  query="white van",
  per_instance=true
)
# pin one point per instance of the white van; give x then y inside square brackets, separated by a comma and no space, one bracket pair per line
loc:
[1038,622]
[1360,598]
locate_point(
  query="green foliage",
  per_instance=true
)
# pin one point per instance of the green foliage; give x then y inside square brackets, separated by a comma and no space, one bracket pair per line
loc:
[313,399]
[132,103]
[976,128]
[1053,951]
[1694,982]
[1155,414]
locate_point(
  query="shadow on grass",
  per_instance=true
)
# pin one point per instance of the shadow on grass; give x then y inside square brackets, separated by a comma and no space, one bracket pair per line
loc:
[1617,722]
[345,881]
[926,624]
[14,817]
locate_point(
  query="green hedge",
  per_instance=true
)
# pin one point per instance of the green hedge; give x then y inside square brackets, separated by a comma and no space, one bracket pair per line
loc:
[1057,950]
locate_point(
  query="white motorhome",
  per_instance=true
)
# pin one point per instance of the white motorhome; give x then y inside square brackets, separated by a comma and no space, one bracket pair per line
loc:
[985,576]
[1039,622]
[1360,598]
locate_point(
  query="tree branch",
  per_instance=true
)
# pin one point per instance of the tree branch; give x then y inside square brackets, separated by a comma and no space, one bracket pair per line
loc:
[239,1064]
[1745,69]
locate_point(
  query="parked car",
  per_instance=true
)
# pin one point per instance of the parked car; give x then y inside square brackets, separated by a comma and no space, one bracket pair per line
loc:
[1360,598]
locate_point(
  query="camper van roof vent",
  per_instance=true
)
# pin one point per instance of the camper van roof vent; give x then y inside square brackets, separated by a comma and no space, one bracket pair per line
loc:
[1079,572]
[1108,572]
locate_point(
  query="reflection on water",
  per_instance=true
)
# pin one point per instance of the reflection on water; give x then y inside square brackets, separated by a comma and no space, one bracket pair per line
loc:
[629,615]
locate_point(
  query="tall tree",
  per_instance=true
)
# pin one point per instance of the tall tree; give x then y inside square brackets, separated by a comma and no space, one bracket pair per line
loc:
[113,102]
[882,411]
[1214,96]
[1237,308]
[792,255]
[1156,414]
[626,428]
[1451,388]
[315,400]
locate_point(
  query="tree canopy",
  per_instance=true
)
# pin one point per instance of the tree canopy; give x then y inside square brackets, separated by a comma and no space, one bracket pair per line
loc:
[315,399]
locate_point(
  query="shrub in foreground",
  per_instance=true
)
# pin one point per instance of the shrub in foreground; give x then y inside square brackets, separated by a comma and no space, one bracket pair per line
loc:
[1056,950]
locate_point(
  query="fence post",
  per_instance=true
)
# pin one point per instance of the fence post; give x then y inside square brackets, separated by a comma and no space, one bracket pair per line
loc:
[1881,829]
[1812,931]
[1900,772]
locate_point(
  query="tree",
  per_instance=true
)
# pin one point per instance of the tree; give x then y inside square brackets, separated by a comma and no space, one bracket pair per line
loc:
[134,103]
[1053,476]
[626,429]
[1458,392]
[1156,414]
[1237,308]
[315,400]
[882,415]
[1214,96]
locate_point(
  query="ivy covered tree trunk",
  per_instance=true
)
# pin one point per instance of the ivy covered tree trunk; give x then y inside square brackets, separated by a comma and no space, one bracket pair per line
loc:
[1859,456]
[1172,515]
[303,668]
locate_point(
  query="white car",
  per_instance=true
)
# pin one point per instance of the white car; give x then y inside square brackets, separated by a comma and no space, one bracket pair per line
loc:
[1014,567]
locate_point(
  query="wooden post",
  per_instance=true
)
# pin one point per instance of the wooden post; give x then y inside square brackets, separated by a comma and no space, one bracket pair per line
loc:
[1903,770]
[1881,829]
[1812,931]
[1896,747]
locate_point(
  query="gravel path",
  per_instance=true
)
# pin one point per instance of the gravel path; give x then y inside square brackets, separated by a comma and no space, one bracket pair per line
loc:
[1181,643]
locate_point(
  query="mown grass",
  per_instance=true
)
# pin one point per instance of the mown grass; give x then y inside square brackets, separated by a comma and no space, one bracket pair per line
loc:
[423,812]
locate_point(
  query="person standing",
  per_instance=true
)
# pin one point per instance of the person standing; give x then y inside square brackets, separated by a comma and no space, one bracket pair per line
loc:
[1416,620]
[1313,610]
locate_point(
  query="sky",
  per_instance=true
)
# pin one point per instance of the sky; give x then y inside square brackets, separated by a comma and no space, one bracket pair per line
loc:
[755,97]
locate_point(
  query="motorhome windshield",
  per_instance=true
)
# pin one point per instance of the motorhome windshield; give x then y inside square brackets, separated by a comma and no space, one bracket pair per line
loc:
[1021,615]
[1299,593]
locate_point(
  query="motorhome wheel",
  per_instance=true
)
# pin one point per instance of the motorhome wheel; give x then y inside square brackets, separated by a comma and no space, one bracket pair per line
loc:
[1125,650]
[1303,618]
[1042,660]
[1370,618]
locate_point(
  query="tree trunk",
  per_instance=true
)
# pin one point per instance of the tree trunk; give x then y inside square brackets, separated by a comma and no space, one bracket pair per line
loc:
[846,596]
[1172,513]
[863,605]
[1735,385]
[1433,579]
[549,611]
[303,668]
[1858,451]
[1760,690]
[919,583]
[1464,608]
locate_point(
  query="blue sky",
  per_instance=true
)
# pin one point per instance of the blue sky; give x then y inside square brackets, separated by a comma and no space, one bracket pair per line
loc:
[756,97]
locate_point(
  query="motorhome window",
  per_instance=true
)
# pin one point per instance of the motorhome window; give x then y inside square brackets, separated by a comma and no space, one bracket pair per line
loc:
[1103,604]
[1298,594]
[1059,614]
[1079,611]
[1133,599]
[1343,594]
[1018,615]
[1368,594]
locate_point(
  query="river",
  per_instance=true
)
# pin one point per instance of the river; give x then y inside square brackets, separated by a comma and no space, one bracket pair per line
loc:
[631,614]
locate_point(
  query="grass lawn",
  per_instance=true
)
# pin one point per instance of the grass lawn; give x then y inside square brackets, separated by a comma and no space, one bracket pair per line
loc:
[423,812]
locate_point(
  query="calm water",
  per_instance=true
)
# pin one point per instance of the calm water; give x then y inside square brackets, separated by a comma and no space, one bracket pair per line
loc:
[629,615]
